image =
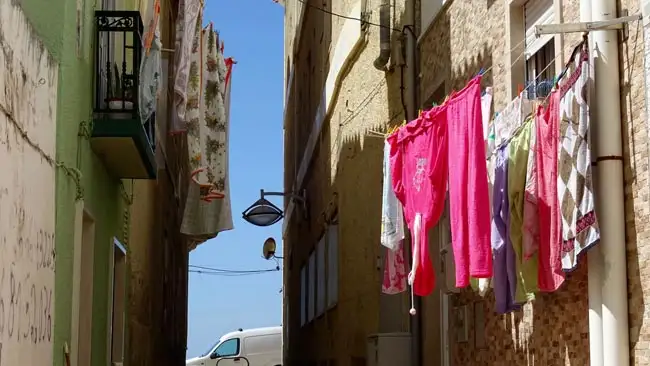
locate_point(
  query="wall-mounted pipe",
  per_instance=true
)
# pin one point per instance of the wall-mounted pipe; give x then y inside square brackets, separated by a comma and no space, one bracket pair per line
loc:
[594,257]
[384,36]
[610,188]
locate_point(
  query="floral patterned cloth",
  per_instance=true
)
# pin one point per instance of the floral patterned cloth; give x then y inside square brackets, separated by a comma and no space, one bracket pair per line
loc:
[188,13]
[207,210]
[151,66]
[394,271]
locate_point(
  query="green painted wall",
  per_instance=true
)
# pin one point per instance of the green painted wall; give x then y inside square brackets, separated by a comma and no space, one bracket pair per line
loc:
[55,21]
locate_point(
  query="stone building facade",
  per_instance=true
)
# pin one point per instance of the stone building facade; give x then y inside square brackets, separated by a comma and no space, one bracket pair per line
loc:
[342,178]
[554,329]
[331,80]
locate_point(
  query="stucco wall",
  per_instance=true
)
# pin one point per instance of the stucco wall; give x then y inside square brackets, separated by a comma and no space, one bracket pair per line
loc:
[102,198]
[28,78]
[554,329]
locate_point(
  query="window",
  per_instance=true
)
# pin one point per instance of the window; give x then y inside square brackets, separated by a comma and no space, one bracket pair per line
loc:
[332,264]
[303,295]
[228,348]
[311,303]
[429,9]
[210,349]
[539,52]
[321,282]
[118,310]
[540,71]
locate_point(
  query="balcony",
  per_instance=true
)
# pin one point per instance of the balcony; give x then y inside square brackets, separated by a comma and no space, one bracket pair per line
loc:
[124,142]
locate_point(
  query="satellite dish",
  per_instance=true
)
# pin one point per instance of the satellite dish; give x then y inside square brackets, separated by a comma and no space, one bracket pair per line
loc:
[268,250]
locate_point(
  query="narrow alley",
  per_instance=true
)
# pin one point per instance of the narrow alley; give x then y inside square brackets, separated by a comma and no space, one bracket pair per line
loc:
[441,182]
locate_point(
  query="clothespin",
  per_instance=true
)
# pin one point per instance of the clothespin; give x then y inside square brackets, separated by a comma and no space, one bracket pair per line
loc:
[434,104]
[520,89]
[480,73]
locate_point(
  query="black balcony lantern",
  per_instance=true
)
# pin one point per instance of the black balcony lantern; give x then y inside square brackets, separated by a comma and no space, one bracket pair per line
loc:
[265,213]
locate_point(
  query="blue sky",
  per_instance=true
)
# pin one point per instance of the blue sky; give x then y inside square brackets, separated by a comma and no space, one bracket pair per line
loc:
[253,34]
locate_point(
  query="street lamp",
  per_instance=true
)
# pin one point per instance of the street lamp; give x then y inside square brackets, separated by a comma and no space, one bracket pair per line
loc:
[265,213]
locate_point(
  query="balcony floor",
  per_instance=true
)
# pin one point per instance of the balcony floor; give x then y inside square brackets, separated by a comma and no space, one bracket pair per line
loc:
[123,146]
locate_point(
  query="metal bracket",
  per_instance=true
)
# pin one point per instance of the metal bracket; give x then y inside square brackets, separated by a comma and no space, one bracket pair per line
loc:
[612,24]
[301,197]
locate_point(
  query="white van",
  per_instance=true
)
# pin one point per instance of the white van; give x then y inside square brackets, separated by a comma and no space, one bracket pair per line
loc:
[251,347]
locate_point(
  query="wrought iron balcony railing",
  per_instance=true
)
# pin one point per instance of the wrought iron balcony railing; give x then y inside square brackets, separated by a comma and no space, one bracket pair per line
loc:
[124,141]
[118,53]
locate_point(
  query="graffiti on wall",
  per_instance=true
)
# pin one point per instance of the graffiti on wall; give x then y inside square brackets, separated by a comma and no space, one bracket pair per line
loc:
[28,91]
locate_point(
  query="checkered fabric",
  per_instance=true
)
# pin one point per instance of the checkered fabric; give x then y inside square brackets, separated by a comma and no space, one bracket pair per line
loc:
[575,192]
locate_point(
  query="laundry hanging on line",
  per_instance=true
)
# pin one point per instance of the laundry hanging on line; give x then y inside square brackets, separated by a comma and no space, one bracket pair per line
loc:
[537,176]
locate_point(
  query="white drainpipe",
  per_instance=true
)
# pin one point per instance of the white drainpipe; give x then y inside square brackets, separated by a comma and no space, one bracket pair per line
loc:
[609,189]
[594,256]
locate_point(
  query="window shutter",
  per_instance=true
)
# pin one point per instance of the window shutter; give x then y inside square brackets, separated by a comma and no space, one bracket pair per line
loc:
[303,295]
[311,301]
[320,275]
[537,12]
[332,265]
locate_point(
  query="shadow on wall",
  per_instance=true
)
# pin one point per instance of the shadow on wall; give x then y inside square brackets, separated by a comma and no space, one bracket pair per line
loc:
[312,65]
[346,178]
[632,109]
[552,330]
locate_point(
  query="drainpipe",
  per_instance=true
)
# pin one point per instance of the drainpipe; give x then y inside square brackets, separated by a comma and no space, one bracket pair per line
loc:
[594,256]
[609,189]
[410,97]
[384,36]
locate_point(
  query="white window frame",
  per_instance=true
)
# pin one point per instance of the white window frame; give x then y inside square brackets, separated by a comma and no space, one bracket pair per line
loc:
[332,236]
[537,12]
[536,49]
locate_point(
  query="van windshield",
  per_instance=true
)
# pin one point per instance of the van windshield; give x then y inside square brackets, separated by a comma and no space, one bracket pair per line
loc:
[211,348]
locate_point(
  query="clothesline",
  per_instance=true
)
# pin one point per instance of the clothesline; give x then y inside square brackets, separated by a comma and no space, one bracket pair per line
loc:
[541,209]
[379,134]
[520,128]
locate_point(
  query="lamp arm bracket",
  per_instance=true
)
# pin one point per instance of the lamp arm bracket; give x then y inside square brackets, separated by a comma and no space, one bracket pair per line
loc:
[294,196]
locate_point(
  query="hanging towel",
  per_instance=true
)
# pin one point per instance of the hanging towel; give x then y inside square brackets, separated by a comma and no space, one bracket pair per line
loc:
[510,118]
[188,13]
[392,218]
[468,185]
[482,285]
[486,110]
[150,67]
[517,167]
[207,209]
[504,280]
[531,219]
[550,274]
[394,271]
[579,223]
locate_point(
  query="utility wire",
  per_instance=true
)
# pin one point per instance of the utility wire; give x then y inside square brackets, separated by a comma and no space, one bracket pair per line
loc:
[206,269]
[226,274]
[306,2]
